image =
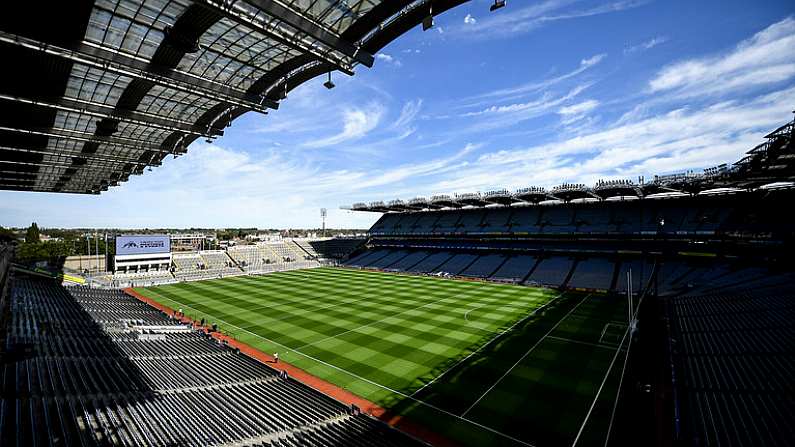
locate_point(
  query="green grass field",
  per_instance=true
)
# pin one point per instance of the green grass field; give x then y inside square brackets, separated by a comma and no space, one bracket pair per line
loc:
[482,363]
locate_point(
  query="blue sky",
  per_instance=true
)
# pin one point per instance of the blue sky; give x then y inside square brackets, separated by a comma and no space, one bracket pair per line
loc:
[537,93]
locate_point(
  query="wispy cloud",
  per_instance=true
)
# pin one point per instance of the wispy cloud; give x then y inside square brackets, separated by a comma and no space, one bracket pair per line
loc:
[647,45]
[388,58]
[529,18]
[535,86]
[576,112]
[766,58]
[408,113]
[357,122]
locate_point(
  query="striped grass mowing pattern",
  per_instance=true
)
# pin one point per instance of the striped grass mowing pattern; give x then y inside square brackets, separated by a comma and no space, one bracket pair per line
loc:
[432,348]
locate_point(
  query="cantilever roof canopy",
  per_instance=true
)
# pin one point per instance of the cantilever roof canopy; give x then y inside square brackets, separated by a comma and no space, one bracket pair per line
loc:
[92,92]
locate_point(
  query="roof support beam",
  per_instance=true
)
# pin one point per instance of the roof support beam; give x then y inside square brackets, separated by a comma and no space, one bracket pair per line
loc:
[68,154]
[55,164]
[16,187]
[315,30]
[75,136]
[121,64]
[270,28]
[104,111]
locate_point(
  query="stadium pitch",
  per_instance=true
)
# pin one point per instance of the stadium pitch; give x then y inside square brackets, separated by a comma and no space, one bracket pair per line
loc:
[481,363]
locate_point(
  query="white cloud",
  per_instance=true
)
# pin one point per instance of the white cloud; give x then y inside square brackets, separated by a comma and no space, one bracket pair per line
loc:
[408,113]
[677,140]
[576,112]
[508,115]
[535,86]
[765,58]
[529,18]
[580,108]
[647,45]
[357,122]
[389,59]
[469,20]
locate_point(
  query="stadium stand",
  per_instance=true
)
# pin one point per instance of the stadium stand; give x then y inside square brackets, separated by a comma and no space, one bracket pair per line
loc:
[455,264]
[97,367]
[710,252]
[515,269]
[593,274]
[552,271]
[332,249]
[732,356]
[483,267]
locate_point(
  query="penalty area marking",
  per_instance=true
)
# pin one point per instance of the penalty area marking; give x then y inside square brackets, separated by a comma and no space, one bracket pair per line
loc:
[363,379]
[488,342]
[532,348]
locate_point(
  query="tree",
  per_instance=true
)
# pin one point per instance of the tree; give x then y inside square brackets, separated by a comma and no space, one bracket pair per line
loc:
[7,236]
[32,235]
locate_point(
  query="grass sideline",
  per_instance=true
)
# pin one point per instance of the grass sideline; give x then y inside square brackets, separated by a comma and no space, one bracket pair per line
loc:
[482,363]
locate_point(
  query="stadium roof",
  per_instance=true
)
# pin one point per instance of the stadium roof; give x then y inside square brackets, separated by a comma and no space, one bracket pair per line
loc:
[92,92]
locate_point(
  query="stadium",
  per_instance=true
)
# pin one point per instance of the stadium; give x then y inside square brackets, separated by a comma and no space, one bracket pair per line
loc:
[623,312]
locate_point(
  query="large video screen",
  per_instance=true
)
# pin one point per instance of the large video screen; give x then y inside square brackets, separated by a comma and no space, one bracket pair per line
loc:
[142,245]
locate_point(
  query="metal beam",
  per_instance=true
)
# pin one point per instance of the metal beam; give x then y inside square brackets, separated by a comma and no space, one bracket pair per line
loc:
[104,111]
[68,165]
[243,16]
[313,29]
[14,187]
[70,154]
[66,134]
[115,62]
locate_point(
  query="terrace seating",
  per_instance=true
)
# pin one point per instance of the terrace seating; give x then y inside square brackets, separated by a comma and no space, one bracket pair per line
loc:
[408,261]
[592,273]
[733,364]
[456,264]
[515,268]
[431,263]
[187,262]
[90,367]
[388,260]
[483,267]
[551,271]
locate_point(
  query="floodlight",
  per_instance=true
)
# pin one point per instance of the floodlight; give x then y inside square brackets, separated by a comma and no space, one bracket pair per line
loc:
[329,84]
[427,22]
[497,5]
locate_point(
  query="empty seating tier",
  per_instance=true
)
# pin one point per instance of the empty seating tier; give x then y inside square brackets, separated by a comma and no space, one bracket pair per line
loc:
[97,367]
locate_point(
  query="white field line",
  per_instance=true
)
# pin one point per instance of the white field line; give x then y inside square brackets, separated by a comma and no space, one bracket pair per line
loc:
[607,373]
[488,342]
[356,376]
[580,342]
[469,293]
[525,354]
[490,302]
